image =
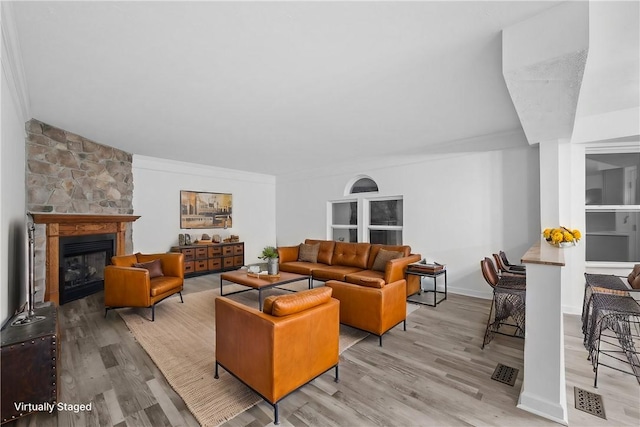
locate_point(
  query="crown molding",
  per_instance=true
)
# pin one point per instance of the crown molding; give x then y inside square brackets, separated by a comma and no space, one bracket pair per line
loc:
[12,66]
[141,162]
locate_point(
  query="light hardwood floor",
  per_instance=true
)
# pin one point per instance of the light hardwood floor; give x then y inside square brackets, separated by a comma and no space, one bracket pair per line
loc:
[434,374]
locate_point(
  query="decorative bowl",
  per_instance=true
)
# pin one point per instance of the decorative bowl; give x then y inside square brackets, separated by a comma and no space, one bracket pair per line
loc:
[562,244]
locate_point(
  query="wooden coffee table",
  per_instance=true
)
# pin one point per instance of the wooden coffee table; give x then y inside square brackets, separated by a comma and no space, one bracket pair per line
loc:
[240,277]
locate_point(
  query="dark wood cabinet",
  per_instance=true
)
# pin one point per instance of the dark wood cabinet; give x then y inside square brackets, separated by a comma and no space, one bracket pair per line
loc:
[211,258]
[30,357]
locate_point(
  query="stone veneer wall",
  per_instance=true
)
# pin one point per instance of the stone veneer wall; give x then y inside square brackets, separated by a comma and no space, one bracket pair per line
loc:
[67,173]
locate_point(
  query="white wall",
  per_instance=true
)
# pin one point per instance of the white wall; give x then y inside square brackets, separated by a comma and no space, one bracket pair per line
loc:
[13,234]
[156,198]
[457,208]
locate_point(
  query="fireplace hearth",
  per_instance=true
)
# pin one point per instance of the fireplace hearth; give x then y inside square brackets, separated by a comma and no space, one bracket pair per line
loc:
[82,262]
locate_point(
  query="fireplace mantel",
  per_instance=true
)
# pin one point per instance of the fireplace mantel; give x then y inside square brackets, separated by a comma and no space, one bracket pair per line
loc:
[47,218]
[62,225]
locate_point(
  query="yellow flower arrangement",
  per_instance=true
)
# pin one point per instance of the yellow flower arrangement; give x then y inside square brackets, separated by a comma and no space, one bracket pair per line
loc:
[556,236]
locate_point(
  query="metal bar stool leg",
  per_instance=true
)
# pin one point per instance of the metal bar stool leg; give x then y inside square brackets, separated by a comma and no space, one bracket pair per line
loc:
[486,331]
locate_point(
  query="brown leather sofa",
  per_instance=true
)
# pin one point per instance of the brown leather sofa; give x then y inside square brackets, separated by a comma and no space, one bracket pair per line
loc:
[126,285]
[292,341]
[372,306]
[350,262]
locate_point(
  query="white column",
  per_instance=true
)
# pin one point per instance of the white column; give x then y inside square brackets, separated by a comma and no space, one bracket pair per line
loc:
[548,283]
[543,388]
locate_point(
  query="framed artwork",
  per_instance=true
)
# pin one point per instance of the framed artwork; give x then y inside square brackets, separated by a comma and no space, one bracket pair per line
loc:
[205,210]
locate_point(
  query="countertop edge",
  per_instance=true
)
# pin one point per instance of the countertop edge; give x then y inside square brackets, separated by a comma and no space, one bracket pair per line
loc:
[543,254]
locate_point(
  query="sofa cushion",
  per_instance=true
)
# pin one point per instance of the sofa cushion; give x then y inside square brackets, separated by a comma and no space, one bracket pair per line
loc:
[308,253]
[284,305]
[634,277]
[375,248]
[300,267]
[351,254]
[154,267]
[380,264]
[160,285]
[368,276]
[326,250]
[335,272]
[371,283]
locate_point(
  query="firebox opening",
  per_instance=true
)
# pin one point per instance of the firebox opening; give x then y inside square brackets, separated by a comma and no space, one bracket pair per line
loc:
[82,262]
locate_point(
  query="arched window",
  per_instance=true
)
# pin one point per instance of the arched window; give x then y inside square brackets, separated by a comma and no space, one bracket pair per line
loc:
[364,217]
[364,185]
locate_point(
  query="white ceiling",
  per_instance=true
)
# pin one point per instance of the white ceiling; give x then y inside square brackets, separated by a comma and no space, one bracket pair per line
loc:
[270,87]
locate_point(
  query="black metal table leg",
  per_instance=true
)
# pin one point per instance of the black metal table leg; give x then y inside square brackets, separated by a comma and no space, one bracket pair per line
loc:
[417,299]
[445,285]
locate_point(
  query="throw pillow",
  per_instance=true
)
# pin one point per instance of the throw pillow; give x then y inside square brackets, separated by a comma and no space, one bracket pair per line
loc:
[308,253]
[380,264]
[154,267]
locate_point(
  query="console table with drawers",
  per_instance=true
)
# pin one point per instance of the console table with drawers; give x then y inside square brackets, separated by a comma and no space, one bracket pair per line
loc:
[211,258]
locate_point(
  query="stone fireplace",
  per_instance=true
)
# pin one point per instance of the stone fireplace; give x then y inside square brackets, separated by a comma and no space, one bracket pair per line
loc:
[68,174]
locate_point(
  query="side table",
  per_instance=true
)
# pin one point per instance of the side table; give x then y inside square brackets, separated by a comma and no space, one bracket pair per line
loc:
[438,296]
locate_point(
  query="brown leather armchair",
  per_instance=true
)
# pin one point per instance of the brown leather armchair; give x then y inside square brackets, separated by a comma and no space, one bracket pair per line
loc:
[274,352]
[372,305]
[126,285]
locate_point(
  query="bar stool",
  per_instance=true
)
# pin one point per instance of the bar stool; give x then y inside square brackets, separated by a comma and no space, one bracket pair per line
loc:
[599,283]
[515,267]
[615,313]
[508,301]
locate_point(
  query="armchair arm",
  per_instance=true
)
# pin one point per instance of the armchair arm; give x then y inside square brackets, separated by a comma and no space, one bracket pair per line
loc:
[172,262]
[395,268]
[126,287]
[288,253]
[395,303]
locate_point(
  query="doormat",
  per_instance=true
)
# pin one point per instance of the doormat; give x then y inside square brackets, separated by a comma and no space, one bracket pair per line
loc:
[505,374]
[590,403]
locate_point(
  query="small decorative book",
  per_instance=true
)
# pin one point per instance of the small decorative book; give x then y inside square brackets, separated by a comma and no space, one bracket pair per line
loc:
[423,266]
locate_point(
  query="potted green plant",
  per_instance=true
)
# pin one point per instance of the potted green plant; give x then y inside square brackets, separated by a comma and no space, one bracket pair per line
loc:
[270,254]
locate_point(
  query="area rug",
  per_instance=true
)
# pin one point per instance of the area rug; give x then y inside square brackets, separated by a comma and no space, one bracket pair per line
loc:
[181,342]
